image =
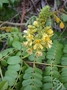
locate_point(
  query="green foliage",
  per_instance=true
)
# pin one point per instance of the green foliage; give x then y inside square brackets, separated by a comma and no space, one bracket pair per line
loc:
[6,1]
[8,9]
[33,77]
[64,17]
[3,85]
[22,71]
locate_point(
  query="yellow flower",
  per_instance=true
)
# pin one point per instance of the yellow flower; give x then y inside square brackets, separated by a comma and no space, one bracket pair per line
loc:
[37,44]
[29,37]
[61,25]
[46,41]
[50,32]
[56,18]
[45,38]
[49,44]
[30,27]
[35,23]
[29,51]
[37,41]
[38,53]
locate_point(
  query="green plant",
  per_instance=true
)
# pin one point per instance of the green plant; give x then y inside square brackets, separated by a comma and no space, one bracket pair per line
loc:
[34,63]
[8,9]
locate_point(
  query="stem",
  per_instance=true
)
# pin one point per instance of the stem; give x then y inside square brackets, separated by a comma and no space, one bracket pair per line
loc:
[48,64]
[25,56]
[62,33]
[11,23]
[34,63]
[1,73]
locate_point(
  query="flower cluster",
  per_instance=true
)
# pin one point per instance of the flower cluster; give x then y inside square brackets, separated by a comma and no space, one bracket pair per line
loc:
[43,15]
[37,38]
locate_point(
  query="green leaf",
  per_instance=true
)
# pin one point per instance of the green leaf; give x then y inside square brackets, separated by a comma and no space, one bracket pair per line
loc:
[38,70]
[11,73]
[47,86]
[12,1]
[9,40]
[37,82]
[65,84]
[47,78]
[26,82]
[64,17]
[49,22]
[4,1]
[63,79]
[4,62]
[17,45]
[0,55]
[15,67]
[31,87]
[10,80]
[64,61]
[6,51]
[1,5]
[30,75]
[29,70]
[31,57]
[34,81]
[3,85]
[14,60]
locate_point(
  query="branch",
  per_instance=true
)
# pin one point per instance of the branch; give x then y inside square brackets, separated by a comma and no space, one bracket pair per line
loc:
[11,23]
[23,13]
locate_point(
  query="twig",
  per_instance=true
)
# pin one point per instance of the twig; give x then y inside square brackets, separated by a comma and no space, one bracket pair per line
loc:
[33,4]
[55,5]
[23,14]
[47,64]
[11,23]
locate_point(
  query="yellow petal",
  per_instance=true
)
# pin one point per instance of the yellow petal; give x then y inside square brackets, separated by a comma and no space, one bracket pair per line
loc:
[38,53]
[61,25]
[50,31]
[30,37]
[37,41]
[57,20]
[35,23]
[40,46]
[35,46]
[49,44]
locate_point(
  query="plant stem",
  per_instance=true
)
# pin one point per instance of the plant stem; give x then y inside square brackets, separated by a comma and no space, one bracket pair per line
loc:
[1,73]
[48,64]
